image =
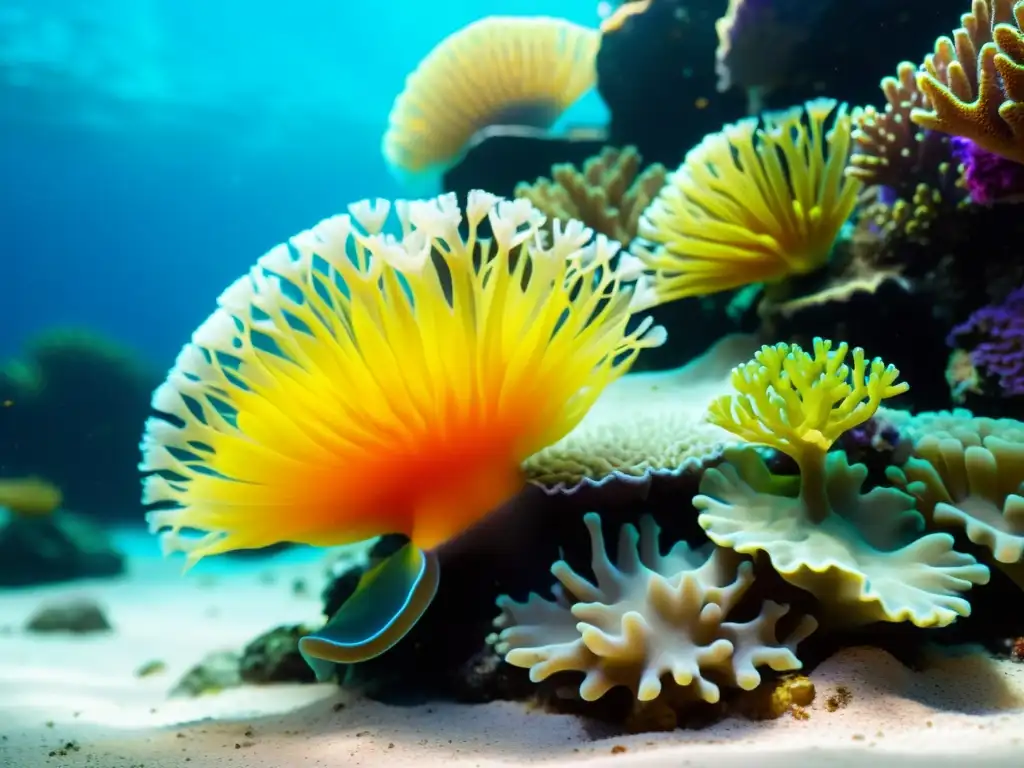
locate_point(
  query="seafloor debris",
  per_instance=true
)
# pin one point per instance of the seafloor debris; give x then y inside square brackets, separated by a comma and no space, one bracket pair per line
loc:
[80,616]
[216,672]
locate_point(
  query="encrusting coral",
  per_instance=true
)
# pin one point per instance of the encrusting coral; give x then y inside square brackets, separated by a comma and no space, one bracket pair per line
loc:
[993,337]
[861,554]
[647,617]
[608,194]
[645,425]
[975,81]
[354,384]
[753,204]
[500,70]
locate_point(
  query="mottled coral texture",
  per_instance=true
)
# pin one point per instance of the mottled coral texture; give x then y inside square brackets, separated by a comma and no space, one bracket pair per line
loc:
[989,178]
[994,336]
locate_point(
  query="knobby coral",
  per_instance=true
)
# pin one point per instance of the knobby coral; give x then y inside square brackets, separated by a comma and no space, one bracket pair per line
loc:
[916,167]
[975,81]
[608,194]
[500,70]
[860,553]
[355,384]
[753,204]
[645,617]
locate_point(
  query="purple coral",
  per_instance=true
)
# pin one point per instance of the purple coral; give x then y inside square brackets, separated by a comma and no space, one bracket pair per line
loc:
[989,177]
[994,337]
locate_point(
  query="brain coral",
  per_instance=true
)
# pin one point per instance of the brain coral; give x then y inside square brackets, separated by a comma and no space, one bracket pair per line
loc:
[646,617]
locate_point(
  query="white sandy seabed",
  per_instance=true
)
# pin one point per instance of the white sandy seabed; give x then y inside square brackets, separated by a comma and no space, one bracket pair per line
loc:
[71,701]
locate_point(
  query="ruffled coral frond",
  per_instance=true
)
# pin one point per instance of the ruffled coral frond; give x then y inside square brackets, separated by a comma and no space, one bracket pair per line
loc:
[753,204]
[500,70]
[354,384]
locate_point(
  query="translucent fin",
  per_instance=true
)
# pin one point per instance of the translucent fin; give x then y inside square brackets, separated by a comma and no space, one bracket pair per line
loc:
[389,600]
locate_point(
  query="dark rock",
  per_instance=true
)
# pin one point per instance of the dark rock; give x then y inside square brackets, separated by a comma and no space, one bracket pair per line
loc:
[79,616]
[501,158]
[657,75]
[59,547]
[274,657]
[835,59]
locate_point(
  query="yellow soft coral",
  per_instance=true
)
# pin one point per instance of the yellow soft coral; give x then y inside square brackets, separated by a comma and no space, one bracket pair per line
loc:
[800,403]
[752,205]
[354,384]
[974,82]
[500,70]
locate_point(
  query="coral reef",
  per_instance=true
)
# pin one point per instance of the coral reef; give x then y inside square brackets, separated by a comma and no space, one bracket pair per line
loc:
[646,617]
[75,377]
[58,547]
[753,204]
[608,194]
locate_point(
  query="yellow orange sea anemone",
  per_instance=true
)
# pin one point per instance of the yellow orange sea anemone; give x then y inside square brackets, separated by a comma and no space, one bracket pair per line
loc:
[753,203]
[354,384]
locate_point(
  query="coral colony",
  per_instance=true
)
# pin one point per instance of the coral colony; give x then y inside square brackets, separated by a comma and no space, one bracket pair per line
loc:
[356,383]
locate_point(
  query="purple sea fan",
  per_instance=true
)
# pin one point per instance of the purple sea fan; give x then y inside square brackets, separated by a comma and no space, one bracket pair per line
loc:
[989,178]
[994,337]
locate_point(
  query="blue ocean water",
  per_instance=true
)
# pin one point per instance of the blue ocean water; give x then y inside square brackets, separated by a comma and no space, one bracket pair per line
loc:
[151,150]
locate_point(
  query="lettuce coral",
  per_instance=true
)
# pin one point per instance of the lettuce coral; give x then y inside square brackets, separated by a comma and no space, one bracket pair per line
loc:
[608,194]
[500,70]
[645,617]
[972,486]
[860,553]
[975,81]
[753,204]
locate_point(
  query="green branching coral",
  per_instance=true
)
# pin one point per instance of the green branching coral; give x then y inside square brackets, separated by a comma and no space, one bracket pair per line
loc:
[647,617]
[974,82]
[860,553]
[799,403]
